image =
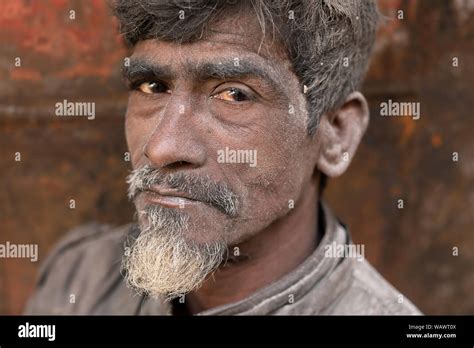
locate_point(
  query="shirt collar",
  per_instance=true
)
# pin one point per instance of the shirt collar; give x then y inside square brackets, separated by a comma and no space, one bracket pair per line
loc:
[308,275]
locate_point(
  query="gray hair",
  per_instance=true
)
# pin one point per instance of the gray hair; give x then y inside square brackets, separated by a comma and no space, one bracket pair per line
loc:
[328,41]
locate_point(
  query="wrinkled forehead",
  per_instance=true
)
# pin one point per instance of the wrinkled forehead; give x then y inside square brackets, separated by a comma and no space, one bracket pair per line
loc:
[234,46]
[237,36]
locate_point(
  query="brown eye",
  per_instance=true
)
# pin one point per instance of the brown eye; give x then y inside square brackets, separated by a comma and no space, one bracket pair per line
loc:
[152,87]
[232,94]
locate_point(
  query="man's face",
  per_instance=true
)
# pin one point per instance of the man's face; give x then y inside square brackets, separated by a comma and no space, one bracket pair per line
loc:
[194,107]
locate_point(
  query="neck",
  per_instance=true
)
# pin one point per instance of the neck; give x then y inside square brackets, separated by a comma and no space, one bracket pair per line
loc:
[273,253]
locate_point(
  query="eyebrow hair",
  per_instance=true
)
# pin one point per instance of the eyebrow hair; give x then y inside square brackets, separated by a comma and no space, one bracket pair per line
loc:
[230,68]
[221,69]
[140,68]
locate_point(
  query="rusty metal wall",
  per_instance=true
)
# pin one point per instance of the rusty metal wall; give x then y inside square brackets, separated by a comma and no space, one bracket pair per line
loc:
[74,158]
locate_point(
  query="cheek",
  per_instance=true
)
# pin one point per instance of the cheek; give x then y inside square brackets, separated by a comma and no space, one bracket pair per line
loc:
[137,132]
[278,178]
[133,140]
[270,191]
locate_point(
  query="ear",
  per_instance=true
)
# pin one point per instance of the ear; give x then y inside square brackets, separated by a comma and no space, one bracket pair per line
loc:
[340,133]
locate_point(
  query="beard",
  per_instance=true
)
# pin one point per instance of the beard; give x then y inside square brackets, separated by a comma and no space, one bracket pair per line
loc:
[162,262]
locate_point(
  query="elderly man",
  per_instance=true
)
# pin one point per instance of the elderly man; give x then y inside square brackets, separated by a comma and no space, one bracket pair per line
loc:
[238,112]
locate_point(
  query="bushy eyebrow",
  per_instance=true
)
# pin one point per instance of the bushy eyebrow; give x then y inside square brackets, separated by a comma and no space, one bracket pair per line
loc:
[221,69]
[228,69]
[139,68]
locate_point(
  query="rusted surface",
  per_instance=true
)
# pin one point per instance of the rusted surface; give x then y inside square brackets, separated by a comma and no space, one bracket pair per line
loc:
[401,158]
[63,159]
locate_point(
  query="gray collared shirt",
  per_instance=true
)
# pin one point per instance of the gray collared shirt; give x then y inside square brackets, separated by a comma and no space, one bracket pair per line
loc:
[82,276]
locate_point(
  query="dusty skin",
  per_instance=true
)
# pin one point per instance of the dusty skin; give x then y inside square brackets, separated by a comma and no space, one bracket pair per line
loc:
[184,127]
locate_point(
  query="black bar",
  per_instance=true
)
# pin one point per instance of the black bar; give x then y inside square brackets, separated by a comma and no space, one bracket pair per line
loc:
[293,330]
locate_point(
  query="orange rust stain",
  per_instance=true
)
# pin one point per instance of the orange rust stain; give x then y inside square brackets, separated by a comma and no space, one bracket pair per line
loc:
[59,3]
[45,27]
[436,140]
[65,166]
[84,69]
[44,180]
[13,10]
[25,74]
[103,69]
[395,191]
[408,129]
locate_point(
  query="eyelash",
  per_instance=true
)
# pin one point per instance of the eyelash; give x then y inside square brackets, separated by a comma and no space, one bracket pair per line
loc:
[133,86]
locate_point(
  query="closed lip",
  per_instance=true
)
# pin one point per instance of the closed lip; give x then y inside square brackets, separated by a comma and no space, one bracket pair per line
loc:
[168,198]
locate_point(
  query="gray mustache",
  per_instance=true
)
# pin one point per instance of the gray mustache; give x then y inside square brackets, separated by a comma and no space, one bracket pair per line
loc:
[204,189]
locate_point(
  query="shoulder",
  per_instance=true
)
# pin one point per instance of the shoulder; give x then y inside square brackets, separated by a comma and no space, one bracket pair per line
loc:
[71,277]
[80,237]
[370,293]
[86,241]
